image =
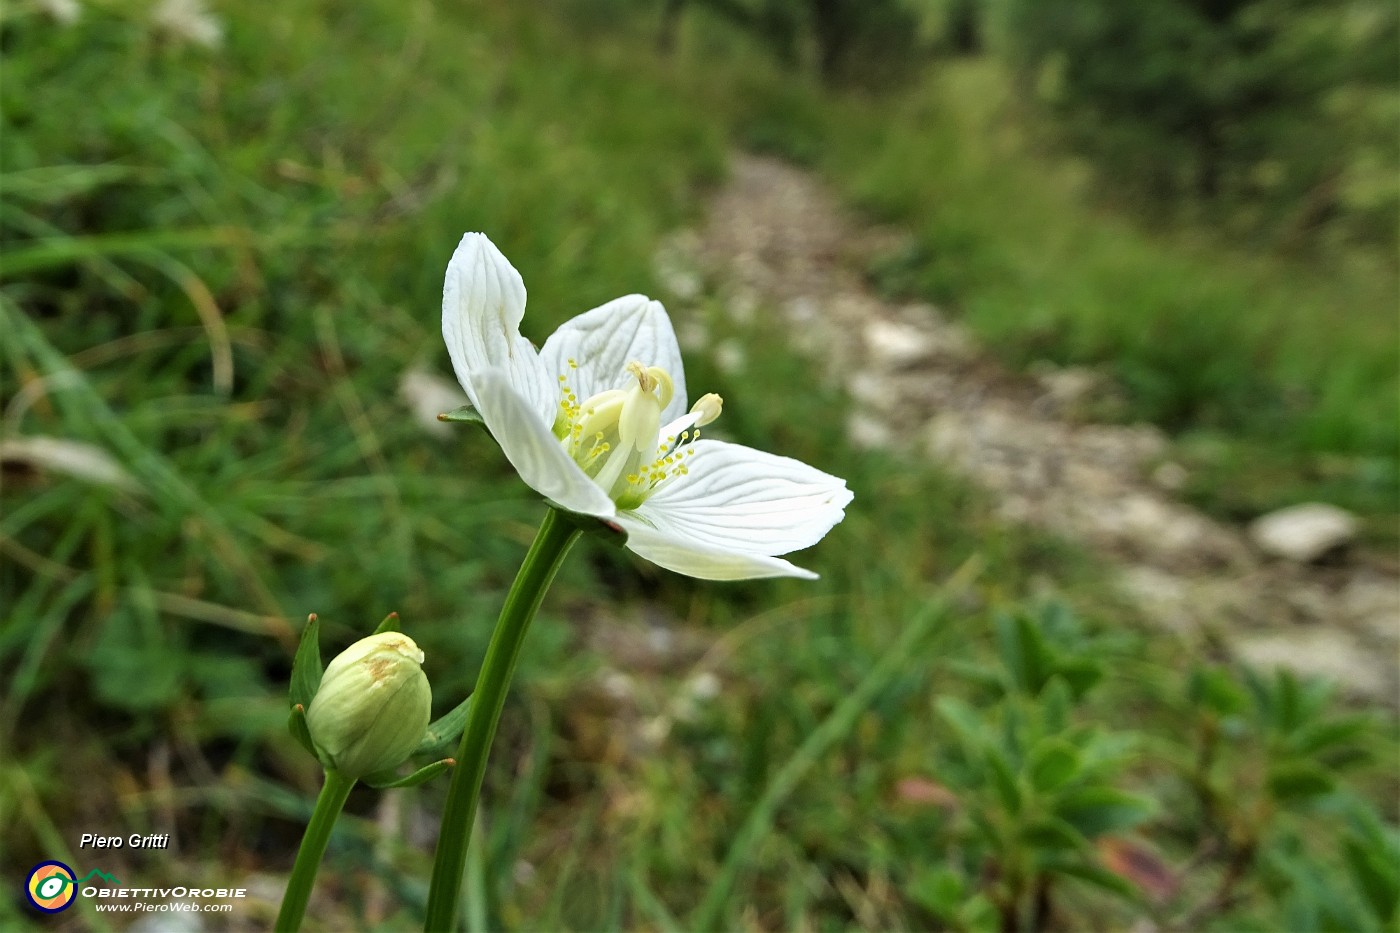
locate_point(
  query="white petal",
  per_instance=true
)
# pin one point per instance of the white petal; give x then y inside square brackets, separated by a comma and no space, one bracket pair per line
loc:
[533,450]
[697,560]
[736,498]
[603,341]
[483,300]
[679,426]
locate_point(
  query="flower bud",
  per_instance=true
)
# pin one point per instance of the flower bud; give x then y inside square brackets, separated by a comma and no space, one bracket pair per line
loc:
[372,707]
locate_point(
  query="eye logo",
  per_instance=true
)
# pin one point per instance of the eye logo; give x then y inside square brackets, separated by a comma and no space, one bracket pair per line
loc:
[52,887]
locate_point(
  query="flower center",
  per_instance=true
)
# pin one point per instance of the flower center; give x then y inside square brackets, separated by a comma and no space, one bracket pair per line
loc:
[616,436]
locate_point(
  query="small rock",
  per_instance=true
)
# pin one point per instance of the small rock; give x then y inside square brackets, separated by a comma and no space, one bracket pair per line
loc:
[868,432]
[873,390]
[674,266]
[1303,533]
[893,344]
[1165,600]
[743,306]
[692,335]
[1170,476]
[1319,652]
[1069,389]
[1371,602]
[948,438]
[803,310]
[429,395]
[730,357]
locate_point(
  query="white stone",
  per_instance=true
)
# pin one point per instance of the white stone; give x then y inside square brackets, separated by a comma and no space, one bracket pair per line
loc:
[1070,387]
[1170,476]
[868,432]
[429,395]
[1303,533]
[1330,653]
[730,357]
[893,344]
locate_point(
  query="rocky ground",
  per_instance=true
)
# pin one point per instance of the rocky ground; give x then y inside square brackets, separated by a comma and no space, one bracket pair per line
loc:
[1287,590]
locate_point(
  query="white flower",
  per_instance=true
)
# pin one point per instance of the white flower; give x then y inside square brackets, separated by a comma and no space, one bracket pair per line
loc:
[597,423]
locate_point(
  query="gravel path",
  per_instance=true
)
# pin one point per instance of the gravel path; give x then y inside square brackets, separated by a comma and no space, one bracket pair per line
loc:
[775,239]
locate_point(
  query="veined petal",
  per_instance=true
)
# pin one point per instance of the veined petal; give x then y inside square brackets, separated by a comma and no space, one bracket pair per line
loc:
[483,301]
[698,560]
[603,341]
[735,498]
[533,450]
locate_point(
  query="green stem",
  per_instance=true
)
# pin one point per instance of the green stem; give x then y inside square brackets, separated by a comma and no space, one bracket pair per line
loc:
[555,536]
[313,845]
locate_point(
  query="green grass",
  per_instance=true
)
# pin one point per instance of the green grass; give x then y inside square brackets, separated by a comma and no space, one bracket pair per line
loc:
[217,268]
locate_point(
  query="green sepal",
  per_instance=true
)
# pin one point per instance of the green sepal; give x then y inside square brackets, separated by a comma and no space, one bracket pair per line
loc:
[306,665]
[440,735]
[296,724]
[390,624]
[467,414]
[610,531]
[386,779]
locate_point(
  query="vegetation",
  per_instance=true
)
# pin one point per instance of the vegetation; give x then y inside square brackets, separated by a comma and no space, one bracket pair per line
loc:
[219,261]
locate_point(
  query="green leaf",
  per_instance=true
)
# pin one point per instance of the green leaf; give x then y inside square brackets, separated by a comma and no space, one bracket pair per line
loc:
[135,666]
[385,779]
[464,415]
[306,666]
[941,891]
[443,733]
[1317,737]
[1214,689]
[1376,875]
[390,624]
[1297,782]
[965,722]
[1024,654]
[1097,876]
[1053,833]
[977,674]
[1081,674]
[980,915]
[1288,701]
[1055,703]
[58,251]
[1053,764]
[1100,809]
[1004,781]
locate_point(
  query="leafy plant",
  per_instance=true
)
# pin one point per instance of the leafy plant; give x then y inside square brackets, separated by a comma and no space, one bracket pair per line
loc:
[1036,788]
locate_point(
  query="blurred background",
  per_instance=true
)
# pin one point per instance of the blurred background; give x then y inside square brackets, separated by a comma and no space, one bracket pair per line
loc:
[1084,299]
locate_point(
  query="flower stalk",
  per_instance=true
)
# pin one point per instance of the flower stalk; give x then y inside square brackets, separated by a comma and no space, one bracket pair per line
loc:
[556,535]
[329,803]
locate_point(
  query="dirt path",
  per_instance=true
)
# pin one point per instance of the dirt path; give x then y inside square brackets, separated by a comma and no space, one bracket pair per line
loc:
[776,239]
